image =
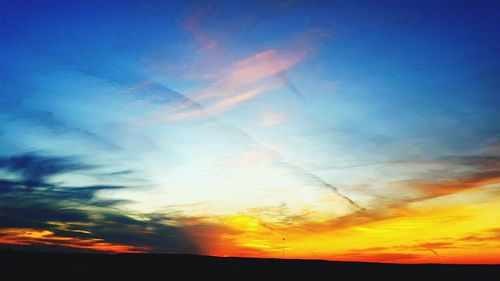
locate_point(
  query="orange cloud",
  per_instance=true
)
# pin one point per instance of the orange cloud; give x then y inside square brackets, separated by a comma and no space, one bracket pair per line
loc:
[28,236]
[442,188]
[491,235]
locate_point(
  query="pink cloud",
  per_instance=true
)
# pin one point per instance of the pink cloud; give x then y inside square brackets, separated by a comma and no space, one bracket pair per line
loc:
[194,24]
[246,79]
[272,118]
[220,106]
[250,70]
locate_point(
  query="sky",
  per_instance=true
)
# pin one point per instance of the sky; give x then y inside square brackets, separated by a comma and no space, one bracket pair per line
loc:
[338,130]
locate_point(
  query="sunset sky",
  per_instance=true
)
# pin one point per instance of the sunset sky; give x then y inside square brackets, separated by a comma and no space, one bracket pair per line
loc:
[339,130]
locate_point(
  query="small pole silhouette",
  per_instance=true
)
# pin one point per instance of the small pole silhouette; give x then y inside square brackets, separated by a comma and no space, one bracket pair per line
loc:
[283,239]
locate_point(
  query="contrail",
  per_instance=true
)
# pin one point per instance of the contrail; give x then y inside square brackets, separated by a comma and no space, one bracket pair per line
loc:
[430,249]
[351,166]
[324,183]
[295,167]
[290,85]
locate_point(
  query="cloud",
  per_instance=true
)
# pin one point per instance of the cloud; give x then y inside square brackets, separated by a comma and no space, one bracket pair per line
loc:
[490,235]
[154,92]
[29,237]
[75,216]
[272,118]
[426,246]
[463,173]
[449,175]
[437,245]
[435,189]
[195,25]
[250,70]
[290,85]
[317,180]
[219,106]
[482,162]
[243,81]
[34,170]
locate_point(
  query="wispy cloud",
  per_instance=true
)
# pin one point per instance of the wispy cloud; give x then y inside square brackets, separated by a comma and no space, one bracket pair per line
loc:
[31,237]
[272,118]
[219,106]
[245,80]
[250,70]
[441,188]
[317,180]
[195,25]
[463,173]
[153,92]
[490,235]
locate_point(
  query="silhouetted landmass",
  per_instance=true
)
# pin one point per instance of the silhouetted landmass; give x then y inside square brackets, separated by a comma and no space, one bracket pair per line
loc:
[166,266]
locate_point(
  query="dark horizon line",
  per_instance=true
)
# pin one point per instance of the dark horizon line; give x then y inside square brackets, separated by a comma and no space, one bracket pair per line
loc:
[97,253]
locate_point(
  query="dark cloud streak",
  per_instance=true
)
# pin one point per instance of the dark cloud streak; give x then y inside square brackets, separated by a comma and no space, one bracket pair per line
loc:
[32,201]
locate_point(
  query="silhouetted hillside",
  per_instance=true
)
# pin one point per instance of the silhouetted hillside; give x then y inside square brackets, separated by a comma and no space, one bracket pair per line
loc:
[166,266]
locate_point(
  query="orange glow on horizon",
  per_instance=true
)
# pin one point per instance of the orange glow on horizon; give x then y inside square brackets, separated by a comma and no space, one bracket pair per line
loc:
[28,236]
[424,232]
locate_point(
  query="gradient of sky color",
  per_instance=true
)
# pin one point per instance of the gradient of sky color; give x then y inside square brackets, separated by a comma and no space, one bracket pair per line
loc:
[356,130]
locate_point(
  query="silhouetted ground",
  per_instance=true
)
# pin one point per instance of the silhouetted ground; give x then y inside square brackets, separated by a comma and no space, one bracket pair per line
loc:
[165,267]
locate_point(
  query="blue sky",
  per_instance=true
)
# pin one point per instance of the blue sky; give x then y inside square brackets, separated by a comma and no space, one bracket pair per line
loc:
[215,109]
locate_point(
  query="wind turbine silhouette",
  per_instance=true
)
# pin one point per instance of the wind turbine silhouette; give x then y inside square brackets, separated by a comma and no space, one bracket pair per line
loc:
[283,239]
